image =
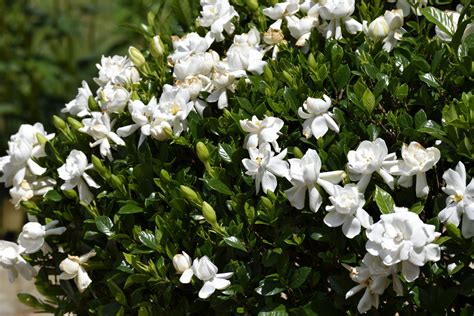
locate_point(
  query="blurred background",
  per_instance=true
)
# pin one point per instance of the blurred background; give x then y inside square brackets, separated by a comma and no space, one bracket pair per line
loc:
[47,47]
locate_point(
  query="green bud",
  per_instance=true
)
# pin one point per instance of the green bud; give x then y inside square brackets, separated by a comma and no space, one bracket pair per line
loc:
[297,152]
[252,4]
[209,213]
[70,194]
[29,205]
[150,18]
[92,104]
[190,195]
[266,203]
[271,196]
[288,77]
[116,181]
[165,176]
[267,73]
[157,48]
[99,167]
[74,123]
[202,152]
[312,62]
[136,57]
[59,122]
[41,139]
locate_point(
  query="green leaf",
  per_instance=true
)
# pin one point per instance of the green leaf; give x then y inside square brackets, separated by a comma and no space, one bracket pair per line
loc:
[148,239]
[217,185]
[235,243]
[225,152]
[342,76]
[130,208]
[440,18]
[53,195]
[420,118]
[368,100]
[384,201]
[299,277]
[269,287]
[432,128]
[280,310]
[117,292]
[453,231]
[430,80]
[104,225]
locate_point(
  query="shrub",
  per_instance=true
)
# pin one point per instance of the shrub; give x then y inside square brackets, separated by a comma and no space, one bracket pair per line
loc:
[180,186]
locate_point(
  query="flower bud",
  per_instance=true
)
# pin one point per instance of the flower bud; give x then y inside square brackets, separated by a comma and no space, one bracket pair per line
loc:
[136,57]
[165,176]
[209,213]
[156,47]
[202,152]
[182,262]
[92,104]
[99,167]
[74,123]
[252,5]
[297,152]
[378,28]
[41,139]
[116,181]
[312,62]
[70,194]
[267,73]
[59,122]
[190,195]
[288,78]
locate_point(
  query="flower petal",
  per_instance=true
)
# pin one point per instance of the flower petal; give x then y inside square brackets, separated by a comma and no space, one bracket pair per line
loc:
[206,290]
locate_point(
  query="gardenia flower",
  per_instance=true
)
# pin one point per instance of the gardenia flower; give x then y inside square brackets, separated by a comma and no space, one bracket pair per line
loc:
[23,148]
[73,268]
[281,10]
[403,237]
[305,174]
[347,210]
[173,108]
[317,119]
[100,128]
[263,166]
[29,188]
[245,54]
[407,5]
[143,116]
[113,98]
[183,265]
[79,106]
[222,79]
[460,200]
[189,45]
[300,29]
[272,37]
[416,162]
[11,259]
[33,233]
[370,157]
[218,15]
[387,27]
[372,275]
[116,70]
[337,12]
[74,173]
[206,271]
[262,131]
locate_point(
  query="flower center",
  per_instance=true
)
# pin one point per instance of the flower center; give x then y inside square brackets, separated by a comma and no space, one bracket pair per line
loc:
[458,197]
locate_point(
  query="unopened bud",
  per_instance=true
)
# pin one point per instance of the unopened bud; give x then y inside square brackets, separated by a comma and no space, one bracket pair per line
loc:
[312,62]
[156,47]
[116,181]
[59,122]
[182,262]
[202,152]
[209,213]
[41,139]
[288,78]
[74,123]
[99,167]
[136,57]
[252,4]
[190,195]
[29,205]
[92,104]
[378,28]
[70,194]
[165,176]
[297,153]
[267,73]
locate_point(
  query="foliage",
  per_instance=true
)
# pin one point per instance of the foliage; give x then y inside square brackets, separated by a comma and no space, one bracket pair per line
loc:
[149,206]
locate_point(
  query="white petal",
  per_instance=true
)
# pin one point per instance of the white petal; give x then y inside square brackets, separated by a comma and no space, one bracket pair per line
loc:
[351,227]
[82,280]
[220,284]
[422,188]
[315,199]
[410,271]
[186,276]
[296,195]
[206,290]
[334,219]
[269,182]
[366,301]
[319,127]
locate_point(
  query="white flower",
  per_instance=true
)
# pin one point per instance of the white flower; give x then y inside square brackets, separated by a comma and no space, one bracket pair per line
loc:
[222,79]
[403,237]
[300,29]
[262,131]
[23,147]
[206,271]
[273,36]
[460,200]
[113,98]
[183,265]
[372,275]
[173,109]
[195,85]
[74,173]
[197,64]
[263,166]
[378,28]
[11,259]
[218,15]
[347,210]
[407,5]
[317,119]
[370,157]
[73,268]
[116,70]
[416,161]
[387,27]
[189,45]
[33,233]
[79,106]
[282,9]
[337,12]
[244,54]
[143,116]
[29,188]
[305,174]
[100,128]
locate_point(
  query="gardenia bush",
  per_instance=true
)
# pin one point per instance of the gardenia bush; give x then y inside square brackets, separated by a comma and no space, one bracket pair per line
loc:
[299,157]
